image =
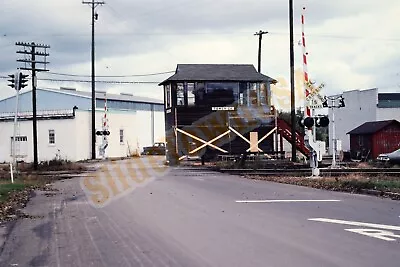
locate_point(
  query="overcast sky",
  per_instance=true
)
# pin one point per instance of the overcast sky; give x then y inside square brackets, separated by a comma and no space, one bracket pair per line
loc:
[351,44]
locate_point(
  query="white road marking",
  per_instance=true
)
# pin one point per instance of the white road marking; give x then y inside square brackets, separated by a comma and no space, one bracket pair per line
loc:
[286,200]
[380,234]
[369,225]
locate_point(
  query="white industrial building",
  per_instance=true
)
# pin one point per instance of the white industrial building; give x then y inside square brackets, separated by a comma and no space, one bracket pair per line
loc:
[362,106]
[64,124]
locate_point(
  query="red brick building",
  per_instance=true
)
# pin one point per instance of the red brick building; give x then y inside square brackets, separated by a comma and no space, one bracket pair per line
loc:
[373,138]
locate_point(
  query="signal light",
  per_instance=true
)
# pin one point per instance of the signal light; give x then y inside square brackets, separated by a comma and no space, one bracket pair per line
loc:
[308,122]
[105,132]
[325,103]
[12,80]
[22,81]
[318,122]
[322,121]
[341,103]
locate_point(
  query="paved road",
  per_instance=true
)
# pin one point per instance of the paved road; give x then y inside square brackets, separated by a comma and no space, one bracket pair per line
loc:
[192,218]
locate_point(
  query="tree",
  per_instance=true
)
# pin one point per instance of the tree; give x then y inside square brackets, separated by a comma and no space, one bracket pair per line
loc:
[287,117]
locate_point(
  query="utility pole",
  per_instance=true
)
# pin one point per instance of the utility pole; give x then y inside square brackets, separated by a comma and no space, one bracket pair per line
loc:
[93,4]
[260,34]
[30,64]
[292,92]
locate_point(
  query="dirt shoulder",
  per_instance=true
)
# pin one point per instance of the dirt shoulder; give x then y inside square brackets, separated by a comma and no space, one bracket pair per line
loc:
[378,185]
[15,196]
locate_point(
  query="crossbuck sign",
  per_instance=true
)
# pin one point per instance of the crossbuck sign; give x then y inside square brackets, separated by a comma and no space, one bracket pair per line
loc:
[314,99]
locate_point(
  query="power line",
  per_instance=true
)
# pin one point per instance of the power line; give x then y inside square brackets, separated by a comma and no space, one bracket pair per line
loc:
[157,82]
[244,33]
[343,37]
[97,81]
[100,81]
[112,76]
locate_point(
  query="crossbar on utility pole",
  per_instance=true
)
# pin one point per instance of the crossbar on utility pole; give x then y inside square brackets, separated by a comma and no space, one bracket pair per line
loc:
[260,34]
[93,4]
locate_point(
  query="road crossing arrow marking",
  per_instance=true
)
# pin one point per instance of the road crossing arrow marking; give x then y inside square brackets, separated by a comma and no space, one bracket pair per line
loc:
[379,231]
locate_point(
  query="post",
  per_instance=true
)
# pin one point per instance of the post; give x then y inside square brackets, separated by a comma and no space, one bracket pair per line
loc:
[93,4]
[152,125]
[314,128]
[15,118]
[292,91]
[11,173]
[260,34]
[93,91]
[333,135]
[35,149]
[276,131]
[259,52]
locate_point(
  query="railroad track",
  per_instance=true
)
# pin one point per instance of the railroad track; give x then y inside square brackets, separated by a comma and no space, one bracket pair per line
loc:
[307,171]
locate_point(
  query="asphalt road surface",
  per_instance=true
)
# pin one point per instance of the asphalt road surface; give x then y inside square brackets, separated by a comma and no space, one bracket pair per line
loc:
[198,218]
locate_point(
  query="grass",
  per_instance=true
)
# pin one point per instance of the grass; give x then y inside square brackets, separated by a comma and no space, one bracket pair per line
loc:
[351,183]
[388,185]
[7,188]
[15,196]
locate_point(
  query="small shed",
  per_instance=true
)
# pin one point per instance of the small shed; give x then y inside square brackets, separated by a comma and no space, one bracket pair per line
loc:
[373,138]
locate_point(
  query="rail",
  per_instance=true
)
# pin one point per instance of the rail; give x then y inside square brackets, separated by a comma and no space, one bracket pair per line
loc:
[307,171]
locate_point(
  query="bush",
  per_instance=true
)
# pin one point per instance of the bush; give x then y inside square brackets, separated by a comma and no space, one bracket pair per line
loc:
[54,163]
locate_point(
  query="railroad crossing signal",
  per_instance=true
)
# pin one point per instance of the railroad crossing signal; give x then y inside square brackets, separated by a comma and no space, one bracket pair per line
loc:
[105,132]
[309,122]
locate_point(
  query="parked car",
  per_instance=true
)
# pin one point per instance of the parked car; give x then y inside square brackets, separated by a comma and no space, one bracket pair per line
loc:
[156,149]
[393,157]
